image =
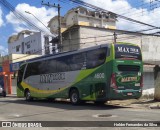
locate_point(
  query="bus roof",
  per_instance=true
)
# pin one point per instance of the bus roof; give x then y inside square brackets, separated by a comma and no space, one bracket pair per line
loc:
[72,52]
[64,53]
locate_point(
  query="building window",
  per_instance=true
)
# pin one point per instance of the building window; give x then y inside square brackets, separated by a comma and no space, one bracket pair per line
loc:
[17,48]
[28,46]
[82,11]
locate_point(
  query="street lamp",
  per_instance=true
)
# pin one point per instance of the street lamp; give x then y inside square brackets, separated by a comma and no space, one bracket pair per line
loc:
[36,18]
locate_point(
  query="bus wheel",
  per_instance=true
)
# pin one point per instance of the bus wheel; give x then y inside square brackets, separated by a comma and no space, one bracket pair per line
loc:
[28,96]
[74,97]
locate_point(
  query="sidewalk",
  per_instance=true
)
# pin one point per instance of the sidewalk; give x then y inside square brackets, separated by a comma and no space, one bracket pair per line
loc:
[140,103]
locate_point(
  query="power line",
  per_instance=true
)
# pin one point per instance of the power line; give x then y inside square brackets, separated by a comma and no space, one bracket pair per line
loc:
[19,15]
[100,9]
[64,1]
[68,4]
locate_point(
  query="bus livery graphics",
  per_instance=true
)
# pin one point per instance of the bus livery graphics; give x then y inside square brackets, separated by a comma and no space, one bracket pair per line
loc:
[101,73]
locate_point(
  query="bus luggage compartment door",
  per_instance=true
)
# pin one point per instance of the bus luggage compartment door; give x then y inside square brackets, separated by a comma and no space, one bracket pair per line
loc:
[100,91]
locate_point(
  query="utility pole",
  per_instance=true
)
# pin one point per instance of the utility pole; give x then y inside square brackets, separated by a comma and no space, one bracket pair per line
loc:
[59,20]
[115,37]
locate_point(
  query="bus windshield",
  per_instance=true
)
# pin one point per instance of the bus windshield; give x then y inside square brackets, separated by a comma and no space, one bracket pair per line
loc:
[123,51]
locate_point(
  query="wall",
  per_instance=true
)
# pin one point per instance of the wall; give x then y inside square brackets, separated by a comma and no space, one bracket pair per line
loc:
[12,46]
[35,43]
[70,18]
[71,40]
[85,19]
[157,87]
[54,26]
[148,80]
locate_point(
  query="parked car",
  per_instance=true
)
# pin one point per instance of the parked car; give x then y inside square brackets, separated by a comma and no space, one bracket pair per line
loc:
[2,91]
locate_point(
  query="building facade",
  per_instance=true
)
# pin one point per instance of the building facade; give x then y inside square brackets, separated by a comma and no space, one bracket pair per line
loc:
[54,25]
[29,42]
[85,17]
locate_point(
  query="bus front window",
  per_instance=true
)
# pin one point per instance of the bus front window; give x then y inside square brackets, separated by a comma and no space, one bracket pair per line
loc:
[123,51]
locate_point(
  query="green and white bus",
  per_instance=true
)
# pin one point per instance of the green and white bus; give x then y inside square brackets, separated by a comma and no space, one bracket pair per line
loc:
[101,73]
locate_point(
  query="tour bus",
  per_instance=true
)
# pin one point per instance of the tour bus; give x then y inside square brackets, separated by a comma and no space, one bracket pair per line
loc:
[100,73]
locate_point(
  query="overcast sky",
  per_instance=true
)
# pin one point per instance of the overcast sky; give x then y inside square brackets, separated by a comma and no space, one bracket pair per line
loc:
[140,10]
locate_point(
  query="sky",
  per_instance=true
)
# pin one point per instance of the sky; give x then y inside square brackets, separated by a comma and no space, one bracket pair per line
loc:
[147,11]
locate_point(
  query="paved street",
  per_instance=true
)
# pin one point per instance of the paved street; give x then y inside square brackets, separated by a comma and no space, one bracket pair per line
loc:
[17,109]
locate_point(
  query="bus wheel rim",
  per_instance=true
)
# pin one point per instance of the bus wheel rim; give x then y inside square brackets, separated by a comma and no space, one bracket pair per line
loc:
[74,97]
[28,95]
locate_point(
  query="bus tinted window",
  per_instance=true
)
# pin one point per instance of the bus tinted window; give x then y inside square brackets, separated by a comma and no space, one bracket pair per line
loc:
[127,51]
[51,66]
[96,57]
[32,69]
[62,64]
[129,68]
[89,59]
[76,61]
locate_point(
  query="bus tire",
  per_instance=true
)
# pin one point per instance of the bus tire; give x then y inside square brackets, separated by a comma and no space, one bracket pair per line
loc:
[74,97]
[28,96]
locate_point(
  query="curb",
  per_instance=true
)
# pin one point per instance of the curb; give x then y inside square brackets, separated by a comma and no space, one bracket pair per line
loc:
[156,106]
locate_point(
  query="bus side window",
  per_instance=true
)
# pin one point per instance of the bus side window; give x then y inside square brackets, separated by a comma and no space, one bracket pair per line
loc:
[32,69]
[96,57]
[50,66]
[76,61]
[62,65]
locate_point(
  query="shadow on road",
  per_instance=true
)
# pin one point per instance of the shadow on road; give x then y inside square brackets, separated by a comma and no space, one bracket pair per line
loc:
[60,104]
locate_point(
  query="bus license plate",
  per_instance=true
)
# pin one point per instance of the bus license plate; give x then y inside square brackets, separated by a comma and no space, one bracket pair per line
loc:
[129,94]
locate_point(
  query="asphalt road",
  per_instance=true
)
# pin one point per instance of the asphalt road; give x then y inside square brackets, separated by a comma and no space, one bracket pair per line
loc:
[17,109]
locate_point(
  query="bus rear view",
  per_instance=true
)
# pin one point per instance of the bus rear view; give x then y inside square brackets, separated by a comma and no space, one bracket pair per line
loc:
[127,76]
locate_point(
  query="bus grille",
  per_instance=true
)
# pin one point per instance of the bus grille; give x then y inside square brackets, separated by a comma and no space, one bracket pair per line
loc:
[129,68]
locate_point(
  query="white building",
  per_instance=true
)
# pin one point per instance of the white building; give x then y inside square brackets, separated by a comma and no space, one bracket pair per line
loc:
[85,17]
[53,25]
[29,42]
